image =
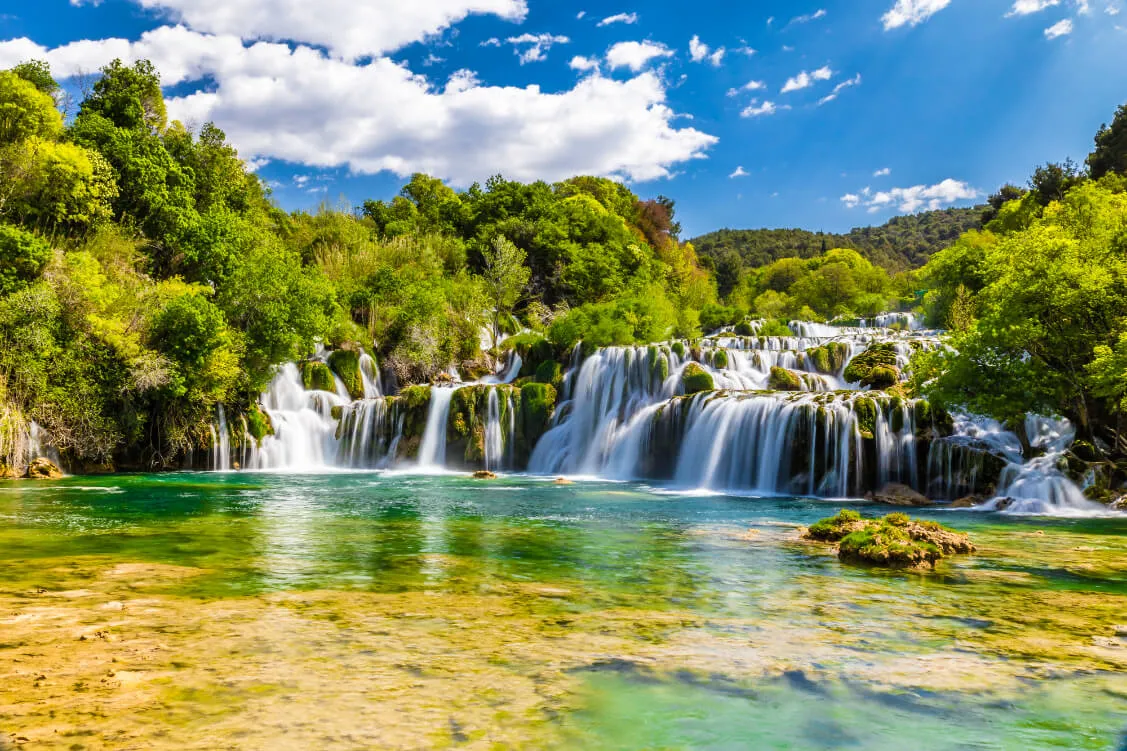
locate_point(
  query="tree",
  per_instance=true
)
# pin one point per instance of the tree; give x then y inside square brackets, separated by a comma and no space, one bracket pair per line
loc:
[1051,181]
[22,258]
[129,96]
[506,276]
[995,202]
[1110,154]
[38,73]
[58,186]
[25,111]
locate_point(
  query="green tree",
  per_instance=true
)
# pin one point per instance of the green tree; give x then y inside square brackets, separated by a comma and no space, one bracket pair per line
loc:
[38,73]
[129,96]
[23,257]
[506,277]
[25,111]
[1110,154]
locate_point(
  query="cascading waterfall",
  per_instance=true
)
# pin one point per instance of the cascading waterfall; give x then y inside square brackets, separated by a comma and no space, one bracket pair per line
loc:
[432,450]
[494,438]
[221,443]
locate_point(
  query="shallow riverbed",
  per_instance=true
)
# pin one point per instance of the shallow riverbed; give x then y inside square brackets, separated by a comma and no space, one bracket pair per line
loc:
[258,611]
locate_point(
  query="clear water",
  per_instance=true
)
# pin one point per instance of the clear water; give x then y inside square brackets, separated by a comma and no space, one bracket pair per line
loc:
[365,610]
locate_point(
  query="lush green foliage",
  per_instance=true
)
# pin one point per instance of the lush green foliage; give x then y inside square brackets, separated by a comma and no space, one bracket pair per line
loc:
[145,276]
[1039,303]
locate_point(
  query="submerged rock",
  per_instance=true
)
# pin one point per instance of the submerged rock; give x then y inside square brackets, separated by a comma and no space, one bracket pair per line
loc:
[564,481]
[43,469]
[896,541]
[484,474]
[968,501]
[895,494]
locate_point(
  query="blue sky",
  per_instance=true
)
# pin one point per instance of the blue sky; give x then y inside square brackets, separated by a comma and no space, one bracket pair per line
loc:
[937,103]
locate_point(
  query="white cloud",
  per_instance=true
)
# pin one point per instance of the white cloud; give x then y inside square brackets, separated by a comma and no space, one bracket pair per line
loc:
[700,51]
[1112,10]
[583,64]
[537,46]
[749,86]
[805,80]
[855,81]
[298,105]
[1059,29]
[745,50]
[740,172]
[635,55]
[820,13]
[579,16]
[491,42]
[884,172]
[1026,7]
[912,12]
[909,200]
[347,28]
[755,109]
[626,18]
[1083,8]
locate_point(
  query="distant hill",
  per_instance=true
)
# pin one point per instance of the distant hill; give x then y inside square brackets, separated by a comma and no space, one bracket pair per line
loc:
[904,242]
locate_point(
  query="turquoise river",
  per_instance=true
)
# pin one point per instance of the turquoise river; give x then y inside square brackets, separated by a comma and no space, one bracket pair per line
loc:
[369,610]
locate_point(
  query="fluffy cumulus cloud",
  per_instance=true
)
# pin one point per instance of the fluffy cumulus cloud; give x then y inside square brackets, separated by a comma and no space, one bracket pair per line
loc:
[636,55]
[346,28]
[757,109]
[699,52]
[298,104]
[1026,7]
[1059,29]
[916,198]
[584,64]
[749,86]
[911,12]
[805,80]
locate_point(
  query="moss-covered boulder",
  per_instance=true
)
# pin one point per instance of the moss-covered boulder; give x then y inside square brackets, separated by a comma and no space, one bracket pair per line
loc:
[895,541]
[316,376]
[696,379]
[537,403]
[346,364]
[258,423]
[830,358]
[868,412]
[43,469]
[678,348]
[533,349]
[744,328]
[875,367]
[550,372]
[782,379]
[720,359]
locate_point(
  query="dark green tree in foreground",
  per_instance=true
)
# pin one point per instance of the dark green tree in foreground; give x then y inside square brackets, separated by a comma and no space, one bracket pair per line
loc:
[1111,147]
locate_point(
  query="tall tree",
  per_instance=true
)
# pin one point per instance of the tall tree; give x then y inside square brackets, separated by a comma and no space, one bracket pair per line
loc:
[1111,147]
[506,276]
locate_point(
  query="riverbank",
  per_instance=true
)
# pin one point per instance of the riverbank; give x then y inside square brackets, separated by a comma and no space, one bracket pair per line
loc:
[255,610]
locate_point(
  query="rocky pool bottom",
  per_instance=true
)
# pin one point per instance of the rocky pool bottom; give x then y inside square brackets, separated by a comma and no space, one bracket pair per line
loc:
[360,610]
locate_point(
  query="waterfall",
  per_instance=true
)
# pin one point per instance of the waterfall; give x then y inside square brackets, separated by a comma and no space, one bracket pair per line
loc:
[304,429]
[370,376]
[432,450]
[494,439]
[221,442]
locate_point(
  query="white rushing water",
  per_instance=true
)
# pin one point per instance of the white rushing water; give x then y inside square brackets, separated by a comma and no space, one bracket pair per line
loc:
[621,414]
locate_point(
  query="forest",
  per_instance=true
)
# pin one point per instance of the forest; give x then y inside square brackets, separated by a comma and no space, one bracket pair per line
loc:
[146,276]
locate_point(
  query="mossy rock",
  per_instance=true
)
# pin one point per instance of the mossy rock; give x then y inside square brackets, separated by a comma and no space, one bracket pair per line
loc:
[867,411]
[316,376]
[660,369]
[346,364]
[876,356]
[258,424]
[830,358]
[743,328]
[43,469]
[414,397]
[882,377]
[782,379]
[678,348]
[550,372]
[537,402]
[696,379]
[895,541]
[720,359]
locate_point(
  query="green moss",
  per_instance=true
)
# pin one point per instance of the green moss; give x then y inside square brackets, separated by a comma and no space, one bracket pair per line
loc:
[720,359]
[550,372]
[829,359]
[660,370]
[696,379]
[678,348]
[258,423]
[882,377]
[876,356]
[743,328]
[834,528]
[867,411]
[537,400]
[415,397]
[316,376]
[782,379]
[346,364]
